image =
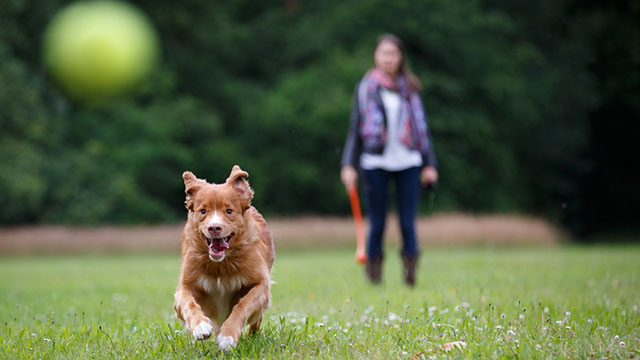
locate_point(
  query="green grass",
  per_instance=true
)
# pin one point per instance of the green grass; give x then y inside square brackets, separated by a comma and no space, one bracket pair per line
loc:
[568,302]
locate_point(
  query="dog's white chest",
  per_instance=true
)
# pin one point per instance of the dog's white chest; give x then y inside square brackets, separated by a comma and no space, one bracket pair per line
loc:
[219,287]
[220,292]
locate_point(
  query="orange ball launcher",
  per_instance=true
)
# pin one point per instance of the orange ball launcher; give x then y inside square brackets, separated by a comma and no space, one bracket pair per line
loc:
[354,199]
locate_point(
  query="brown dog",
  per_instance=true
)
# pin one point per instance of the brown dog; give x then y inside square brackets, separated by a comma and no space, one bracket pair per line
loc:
[227,255]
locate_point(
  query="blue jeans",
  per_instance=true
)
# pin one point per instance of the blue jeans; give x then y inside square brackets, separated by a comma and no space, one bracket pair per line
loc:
[376,183]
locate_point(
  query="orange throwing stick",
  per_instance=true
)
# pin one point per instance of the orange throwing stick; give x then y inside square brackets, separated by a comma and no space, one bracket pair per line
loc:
[361,256]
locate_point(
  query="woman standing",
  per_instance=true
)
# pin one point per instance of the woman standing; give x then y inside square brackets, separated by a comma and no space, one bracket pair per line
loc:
[388,140]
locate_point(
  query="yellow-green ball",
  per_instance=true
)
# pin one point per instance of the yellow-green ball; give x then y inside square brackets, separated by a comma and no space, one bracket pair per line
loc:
[96,50]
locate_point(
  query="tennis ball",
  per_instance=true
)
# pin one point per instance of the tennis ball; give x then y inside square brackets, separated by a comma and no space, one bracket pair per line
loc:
[96,50]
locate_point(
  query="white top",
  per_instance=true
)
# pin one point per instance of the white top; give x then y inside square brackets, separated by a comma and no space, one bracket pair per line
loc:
[396,155]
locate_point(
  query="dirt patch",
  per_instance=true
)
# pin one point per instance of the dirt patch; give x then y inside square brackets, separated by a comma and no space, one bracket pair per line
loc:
[436,230]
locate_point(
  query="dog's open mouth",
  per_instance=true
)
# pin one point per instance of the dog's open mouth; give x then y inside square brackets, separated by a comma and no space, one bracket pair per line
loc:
[218,246]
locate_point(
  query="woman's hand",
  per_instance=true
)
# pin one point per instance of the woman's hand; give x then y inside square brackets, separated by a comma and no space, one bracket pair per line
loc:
[429,175]
[349,177]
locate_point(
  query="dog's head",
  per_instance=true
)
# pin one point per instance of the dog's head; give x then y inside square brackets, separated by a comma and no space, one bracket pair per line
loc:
[217,210]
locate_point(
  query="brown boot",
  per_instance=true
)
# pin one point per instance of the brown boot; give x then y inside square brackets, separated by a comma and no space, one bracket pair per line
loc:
[410,263]
[374,270]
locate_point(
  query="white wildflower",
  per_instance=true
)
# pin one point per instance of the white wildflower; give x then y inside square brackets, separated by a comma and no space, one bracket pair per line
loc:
[394,317]
[369,309]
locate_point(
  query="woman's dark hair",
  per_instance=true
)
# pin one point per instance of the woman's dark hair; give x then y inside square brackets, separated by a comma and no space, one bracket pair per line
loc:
[412,79]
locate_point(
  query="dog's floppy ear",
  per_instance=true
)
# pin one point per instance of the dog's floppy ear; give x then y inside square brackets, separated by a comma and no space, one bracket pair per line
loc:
[238,179]
[191,186]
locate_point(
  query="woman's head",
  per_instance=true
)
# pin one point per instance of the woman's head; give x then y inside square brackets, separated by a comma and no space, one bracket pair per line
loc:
[389,57]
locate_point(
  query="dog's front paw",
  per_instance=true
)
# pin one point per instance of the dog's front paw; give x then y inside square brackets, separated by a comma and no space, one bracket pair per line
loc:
[225,343]
[202,331]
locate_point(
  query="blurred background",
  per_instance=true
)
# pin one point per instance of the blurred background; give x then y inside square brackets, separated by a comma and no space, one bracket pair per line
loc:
[534,108]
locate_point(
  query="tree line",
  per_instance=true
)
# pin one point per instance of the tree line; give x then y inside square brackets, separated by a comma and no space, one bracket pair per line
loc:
[532,107]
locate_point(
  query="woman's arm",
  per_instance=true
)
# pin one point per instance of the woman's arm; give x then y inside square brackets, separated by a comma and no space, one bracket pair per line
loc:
[353,144]
[352,147]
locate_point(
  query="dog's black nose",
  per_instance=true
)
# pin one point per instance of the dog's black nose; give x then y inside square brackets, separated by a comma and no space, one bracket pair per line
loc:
[215,229]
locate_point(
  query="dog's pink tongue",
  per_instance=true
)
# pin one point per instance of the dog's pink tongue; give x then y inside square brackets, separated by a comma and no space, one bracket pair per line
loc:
[220,245]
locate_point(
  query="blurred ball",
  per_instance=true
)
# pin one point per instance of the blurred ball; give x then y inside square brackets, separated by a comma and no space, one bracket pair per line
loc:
[96,50]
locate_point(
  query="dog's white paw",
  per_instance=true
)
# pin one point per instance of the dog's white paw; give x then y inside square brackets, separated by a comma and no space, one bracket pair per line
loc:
[202,331]
[225,343]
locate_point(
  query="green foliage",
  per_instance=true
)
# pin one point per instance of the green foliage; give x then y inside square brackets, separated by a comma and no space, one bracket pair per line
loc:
[507,87]
[504,303]
[30,132]
[301,137]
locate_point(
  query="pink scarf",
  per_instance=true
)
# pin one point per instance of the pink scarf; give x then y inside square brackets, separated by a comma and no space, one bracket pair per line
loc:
[413,125]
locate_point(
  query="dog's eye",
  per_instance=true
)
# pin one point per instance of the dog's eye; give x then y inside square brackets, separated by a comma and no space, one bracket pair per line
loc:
[229,211]
[203,211]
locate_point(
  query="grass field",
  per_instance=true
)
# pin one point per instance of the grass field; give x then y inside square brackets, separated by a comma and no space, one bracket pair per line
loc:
[561,302]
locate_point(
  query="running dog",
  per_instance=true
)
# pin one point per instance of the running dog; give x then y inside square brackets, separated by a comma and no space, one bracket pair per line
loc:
[227,256]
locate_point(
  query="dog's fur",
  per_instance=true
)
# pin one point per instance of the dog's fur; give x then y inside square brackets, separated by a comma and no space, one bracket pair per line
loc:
[227,255]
